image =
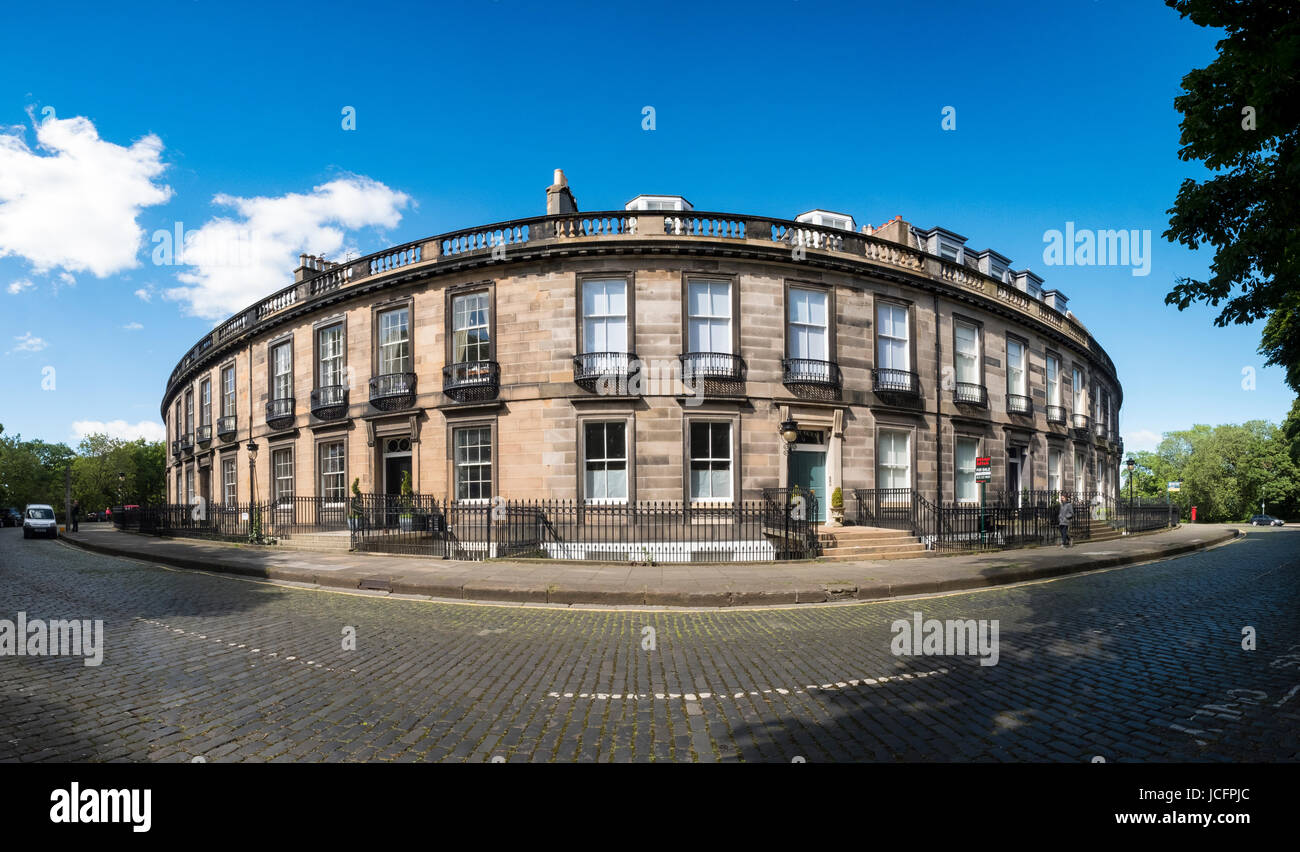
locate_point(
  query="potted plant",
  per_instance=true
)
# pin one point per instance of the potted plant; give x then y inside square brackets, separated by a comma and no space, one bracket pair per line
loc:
[405,518]
[354,513]
[837,507]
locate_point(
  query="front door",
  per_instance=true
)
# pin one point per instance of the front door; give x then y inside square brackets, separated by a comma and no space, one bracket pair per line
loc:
[808,471]
[205,486]
[1014,463]
[394,468]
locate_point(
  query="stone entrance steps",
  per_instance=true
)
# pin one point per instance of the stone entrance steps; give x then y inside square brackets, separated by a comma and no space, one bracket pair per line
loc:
[331,542]
[1102,531]
[843,544]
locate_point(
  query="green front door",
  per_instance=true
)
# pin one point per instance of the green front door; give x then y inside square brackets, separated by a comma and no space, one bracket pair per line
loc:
[808,471]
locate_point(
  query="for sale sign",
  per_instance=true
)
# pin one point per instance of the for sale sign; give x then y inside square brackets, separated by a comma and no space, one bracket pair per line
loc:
[983,469]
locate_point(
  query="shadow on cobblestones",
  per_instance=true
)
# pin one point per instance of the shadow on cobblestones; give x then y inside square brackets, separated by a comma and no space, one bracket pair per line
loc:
[1142,664]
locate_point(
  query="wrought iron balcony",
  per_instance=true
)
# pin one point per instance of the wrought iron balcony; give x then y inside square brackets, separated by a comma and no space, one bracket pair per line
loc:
[204,435]
[329,402]
[187,441]
[1102,433]
[718,366]
[591,367]
[472,381]
[1055,414]
[810,371]
[279,413]
[1080,422]
[1017,404]
[895,382]
[392,391]
[176,446]
[226,428]
[966,393]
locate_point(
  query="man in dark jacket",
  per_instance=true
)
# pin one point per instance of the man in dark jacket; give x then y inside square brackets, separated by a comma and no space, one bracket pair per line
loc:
[1067,515]
[75,521]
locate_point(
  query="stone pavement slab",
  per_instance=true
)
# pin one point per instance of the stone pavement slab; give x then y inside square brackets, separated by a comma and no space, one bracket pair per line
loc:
[618,584]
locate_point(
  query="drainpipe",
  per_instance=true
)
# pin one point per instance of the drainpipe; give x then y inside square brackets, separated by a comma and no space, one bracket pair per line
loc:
[938,406]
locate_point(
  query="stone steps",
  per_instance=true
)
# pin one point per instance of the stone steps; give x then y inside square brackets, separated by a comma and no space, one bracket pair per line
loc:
[843,544]
[887,551]
[319,543]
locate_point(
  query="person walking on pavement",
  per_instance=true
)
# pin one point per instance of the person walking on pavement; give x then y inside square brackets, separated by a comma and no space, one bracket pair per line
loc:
[1066,515]
[76,515]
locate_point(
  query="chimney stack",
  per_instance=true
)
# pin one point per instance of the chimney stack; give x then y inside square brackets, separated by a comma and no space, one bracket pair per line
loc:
[559,200]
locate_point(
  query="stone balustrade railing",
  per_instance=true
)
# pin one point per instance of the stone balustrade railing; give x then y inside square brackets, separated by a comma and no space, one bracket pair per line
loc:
[498,241]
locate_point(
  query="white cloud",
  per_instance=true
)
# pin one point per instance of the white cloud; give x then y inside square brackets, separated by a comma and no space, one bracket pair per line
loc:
[144,295]
[147,429]
[20,285]
[74,204]
[236,261]
[1142,440]
[27,343]
[133,326]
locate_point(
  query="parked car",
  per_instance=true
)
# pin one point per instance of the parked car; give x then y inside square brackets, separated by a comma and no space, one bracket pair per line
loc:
[1266,521]
[38,519]
[11,517]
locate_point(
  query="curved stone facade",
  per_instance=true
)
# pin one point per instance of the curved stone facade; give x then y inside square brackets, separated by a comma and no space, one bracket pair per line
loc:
[640,355]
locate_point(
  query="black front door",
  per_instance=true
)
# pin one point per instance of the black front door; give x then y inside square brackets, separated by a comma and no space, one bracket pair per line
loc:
[394,467]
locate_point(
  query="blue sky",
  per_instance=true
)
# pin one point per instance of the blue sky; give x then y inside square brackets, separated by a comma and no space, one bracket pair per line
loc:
[1064,113]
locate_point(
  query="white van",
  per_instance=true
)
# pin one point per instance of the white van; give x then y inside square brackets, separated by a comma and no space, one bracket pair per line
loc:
[38,519]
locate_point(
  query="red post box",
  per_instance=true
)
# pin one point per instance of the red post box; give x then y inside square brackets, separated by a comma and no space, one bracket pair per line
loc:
[1193,514]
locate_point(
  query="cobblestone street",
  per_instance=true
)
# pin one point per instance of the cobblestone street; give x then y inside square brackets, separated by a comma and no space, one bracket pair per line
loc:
[1135,664]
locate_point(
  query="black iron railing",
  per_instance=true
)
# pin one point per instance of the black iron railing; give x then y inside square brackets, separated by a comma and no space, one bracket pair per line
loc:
[471,381]
[590,367]
[1100,430]
[1055,414]
[329,402]
[810,371]
[1017,404]
[392,391]
[892,508]
[1079,422]
[1006,519]
[719,366]
[176,447]
[278,518]
[651,532]
[203,435]
[966,393]
[187,441]
[895,382]
[226,427]
[279,412]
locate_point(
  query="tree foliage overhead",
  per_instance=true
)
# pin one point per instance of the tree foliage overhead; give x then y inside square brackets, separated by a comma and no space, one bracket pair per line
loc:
[1241,118]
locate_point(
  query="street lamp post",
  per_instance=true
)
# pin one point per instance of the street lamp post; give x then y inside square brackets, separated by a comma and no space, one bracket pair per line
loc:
[254,521]
[789,430]
[1131,465]
[121,490]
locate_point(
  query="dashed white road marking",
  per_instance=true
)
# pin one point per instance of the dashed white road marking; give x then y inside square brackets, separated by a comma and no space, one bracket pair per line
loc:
[696,697]
[196,635]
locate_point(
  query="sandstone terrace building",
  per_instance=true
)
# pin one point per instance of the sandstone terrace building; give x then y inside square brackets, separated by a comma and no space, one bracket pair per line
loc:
[482,363]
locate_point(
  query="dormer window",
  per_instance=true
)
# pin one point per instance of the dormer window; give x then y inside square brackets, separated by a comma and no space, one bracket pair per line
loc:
[993,264]
[946,244]
[659,202]
[828,219]
[1029,283]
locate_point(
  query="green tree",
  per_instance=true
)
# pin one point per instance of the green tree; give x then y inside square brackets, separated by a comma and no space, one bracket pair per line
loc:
[1226,471]
[1241,118]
